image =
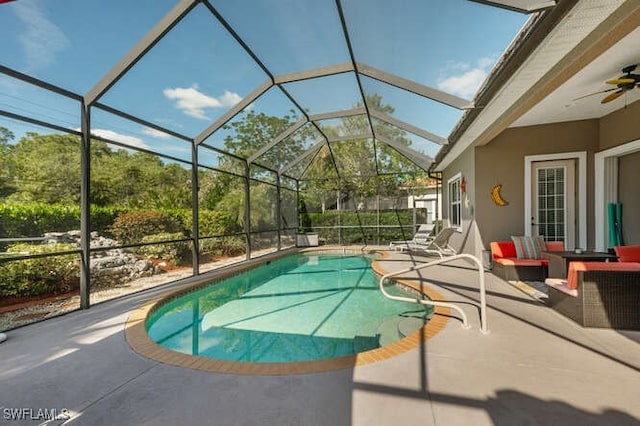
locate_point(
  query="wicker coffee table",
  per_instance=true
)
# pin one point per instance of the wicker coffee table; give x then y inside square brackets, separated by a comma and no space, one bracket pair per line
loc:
[559,260]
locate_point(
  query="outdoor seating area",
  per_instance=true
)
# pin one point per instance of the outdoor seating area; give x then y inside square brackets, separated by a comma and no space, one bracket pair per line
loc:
[600,294]
[510,265]
[425,242]
[424,233]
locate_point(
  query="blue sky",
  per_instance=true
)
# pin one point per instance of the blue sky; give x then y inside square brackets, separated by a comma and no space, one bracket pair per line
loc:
[197,72]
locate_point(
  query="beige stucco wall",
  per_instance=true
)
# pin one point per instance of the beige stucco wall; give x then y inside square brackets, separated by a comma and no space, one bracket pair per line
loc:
[466,241]
[502,162]
[629,196]
[620,127]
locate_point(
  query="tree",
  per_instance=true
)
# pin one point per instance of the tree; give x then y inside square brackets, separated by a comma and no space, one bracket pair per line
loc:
[7,165]
[365,166]
[252,131]
[47,169]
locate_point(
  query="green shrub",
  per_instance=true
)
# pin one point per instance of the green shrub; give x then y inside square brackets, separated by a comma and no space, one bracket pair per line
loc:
[215,222]
[44,275]
[226,246]
[174,253]
[131,227]
[211,222]
[103,217]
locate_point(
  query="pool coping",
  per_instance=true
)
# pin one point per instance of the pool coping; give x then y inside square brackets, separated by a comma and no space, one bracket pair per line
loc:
[139,340]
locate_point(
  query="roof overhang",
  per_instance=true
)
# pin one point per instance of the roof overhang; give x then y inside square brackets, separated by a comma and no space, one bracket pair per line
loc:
[563,41]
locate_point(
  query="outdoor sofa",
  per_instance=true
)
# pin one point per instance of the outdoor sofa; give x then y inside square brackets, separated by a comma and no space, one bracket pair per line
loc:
[600,294]
[508,265]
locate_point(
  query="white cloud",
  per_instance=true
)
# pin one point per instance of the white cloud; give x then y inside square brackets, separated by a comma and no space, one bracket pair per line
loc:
[464,85]
[41,39]
[468,79]
[488,62]
[155,133]
[117,137]
[229,99]
[194,103]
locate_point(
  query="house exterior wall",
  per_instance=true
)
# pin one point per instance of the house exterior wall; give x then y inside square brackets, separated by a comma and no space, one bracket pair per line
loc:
[467,240]
[629,196]
[620,127]
[502,162]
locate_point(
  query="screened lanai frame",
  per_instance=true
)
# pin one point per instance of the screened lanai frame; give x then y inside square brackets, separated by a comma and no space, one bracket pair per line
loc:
[293,169]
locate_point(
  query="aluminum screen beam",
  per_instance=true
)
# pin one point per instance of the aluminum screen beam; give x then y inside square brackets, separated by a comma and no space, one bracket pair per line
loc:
[409,128]
[245,102]
[522,6]
[347,38]
[419,159]
[37,122]
[413,87]
[40,83]
[165,25]
[338,114]
[302,156]
[360,136]
[282,136]
[140,121]
[314,73]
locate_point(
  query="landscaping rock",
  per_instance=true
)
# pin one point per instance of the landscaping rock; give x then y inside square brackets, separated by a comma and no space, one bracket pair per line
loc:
[109,266]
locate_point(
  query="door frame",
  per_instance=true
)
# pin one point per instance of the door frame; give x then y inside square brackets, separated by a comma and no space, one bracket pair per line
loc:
[581,211]
[606,186]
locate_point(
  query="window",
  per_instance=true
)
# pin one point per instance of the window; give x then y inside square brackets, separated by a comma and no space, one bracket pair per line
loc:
[455,200]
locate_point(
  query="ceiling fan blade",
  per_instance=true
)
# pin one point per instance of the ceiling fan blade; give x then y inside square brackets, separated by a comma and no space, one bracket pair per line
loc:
[596,93]
[621,80]
[612,96]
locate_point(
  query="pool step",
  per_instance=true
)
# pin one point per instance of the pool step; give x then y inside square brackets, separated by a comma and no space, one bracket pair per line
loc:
[365,343]
[388,331]
[396,328]
[391,330]
[410,325]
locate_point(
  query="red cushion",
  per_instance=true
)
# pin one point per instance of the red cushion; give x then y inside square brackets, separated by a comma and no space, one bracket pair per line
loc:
[628,253]
[554,245]
[575,267]
[502,249]
[512,261]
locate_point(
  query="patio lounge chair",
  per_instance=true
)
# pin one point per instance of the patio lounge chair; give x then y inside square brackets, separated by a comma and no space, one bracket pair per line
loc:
[438,245]
[424,234]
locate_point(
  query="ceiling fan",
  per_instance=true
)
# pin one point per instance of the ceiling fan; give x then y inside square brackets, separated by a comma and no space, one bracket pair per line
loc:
[624,83]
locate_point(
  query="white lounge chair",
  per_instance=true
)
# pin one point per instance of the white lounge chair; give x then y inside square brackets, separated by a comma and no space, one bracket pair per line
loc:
[423,235]
[437,245]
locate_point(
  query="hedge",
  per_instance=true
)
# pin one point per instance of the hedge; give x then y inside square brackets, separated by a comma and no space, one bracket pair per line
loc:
[132,227]
[395,225]
[35,219]
[44,275]
[174,253]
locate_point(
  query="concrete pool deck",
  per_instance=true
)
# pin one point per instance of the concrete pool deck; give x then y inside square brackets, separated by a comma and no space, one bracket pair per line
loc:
[533,367]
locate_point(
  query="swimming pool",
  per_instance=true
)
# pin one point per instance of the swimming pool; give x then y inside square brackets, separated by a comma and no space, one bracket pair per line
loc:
[298,308]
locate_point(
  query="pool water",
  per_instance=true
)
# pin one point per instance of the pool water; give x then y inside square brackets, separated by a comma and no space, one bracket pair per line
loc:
[298,308]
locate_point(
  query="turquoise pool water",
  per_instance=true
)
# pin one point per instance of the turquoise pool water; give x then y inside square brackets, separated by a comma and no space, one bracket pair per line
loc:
[298,308]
